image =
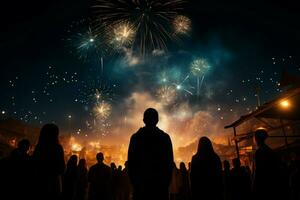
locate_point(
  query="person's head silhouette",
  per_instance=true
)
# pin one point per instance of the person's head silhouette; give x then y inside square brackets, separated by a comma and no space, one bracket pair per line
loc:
[260,136]
[182,166]
[100,157]
[236,163]
[126,164]
[24,145]
[113,166]
[150,117]
[205,146]
[49,135]
[226,165]
[72,162]
[119,168]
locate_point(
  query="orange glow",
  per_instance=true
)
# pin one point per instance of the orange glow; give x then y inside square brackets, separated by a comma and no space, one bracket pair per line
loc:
[285,104]
[184,125]
[76,147]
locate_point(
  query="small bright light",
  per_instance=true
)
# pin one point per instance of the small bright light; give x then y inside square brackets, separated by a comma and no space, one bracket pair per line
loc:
[3,112]
[92,40]
[70,116]
[285,104]
[164,80]
[76,147]
[178,87]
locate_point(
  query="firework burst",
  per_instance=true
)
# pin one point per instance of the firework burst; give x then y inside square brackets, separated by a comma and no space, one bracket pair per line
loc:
[152,19]
[102,110]
[88,43]
[174,79]
[167,94]
[122,35]
[96,91]
[199,68]
[182,25]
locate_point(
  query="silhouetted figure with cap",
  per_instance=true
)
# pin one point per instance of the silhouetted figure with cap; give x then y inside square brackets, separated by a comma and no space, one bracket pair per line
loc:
[99,178]
[240,181]
[70,178]
[48,158]
[206,173]
[267,172]
[82,181]
[150,160]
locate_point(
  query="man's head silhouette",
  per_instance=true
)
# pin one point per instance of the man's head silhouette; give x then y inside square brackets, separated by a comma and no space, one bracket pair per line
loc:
[100,157]
[260,136]
[150,117]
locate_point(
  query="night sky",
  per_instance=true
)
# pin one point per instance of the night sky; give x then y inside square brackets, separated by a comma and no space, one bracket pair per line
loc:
[44,79]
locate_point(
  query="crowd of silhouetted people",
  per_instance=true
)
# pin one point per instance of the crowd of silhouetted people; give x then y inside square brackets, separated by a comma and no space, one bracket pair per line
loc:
[150,172]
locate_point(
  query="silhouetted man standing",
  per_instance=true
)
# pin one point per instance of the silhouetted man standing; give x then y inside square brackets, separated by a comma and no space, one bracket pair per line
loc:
[150,160]
[268,182]
[100,177]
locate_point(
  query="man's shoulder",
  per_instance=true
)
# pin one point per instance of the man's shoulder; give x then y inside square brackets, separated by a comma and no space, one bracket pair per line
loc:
[140,131]
[106,166]
[155,132]
[264,150]
[163,134]
[138,134]
[194,158]
[93,167]
[135,135]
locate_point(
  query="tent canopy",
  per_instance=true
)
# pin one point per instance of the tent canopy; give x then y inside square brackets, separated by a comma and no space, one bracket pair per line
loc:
[286,106]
